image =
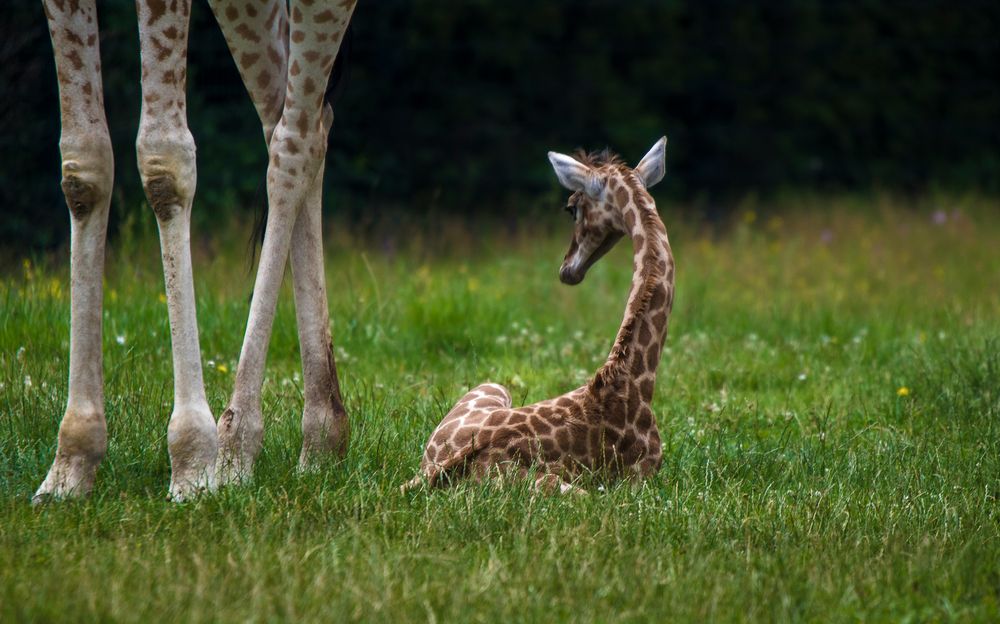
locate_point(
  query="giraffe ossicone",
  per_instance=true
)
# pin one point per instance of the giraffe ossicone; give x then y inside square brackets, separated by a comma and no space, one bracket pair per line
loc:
[285,53]
[606,425]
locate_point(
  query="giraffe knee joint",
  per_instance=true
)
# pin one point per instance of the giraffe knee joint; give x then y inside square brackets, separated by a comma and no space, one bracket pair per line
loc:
[161,192]
[86,174]
[81,197]
[168,170]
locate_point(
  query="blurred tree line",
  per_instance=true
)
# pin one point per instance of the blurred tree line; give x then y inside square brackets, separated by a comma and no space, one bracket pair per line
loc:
[451,106]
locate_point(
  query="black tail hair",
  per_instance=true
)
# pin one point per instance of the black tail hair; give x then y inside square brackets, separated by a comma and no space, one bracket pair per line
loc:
[334,90]
[340,73]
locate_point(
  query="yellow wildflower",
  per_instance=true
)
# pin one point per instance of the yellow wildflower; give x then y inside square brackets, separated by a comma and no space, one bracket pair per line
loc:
[55,288]
[222,368]
[162,298]
[903,391]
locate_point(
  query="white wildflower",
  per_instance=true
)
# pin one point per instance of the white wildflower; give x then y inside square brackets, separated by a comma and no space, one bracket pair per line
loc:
[343,355]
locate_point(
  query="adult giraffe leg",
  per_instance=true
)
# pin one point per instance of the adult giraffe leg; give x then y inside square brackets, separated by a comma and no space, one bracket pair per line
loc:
[258,39]
[87,175]
[297,147]
[257,35]
[325,428]
[166,156]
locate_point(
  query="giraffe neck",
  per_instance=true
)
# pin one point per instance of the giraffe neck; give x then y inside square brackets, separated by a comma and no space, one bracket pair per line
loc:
[636,351]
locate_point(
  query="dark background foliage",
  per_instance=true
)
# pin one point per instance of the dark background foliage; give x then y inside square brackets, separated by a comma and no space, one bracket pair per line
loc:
[451,106]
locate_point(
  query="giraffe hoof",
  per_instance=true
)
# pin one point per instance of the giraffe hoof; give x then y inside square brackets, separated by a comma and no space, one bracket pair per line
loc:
[187,491]
[325,433]
[193,444]
[416,482]
[568,488]
[241,433]
[69,477]
[233,467]
[83,440]
[192,482]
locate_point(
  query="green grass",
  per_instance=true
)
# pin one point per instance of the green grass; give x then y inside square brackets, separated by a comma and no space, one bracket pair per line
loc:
[797,484]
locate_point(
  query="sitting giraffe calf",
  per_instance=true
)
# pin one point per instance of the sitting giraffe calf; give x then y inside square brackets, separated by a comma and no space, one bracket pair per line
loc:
[606,425]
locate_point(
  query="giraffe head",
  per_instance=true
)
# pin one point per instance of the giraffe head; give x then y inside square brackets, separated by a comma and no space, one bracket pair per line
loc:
[594,208]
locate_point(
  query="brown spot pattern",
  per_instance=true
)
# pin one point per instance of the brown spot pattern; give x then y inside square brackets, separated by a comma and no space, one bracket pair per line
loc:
[607,424]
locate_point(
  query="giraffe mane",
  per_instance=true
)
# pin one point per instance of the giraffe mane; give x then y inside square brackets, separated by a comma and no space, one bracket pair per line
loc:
[617,361]
[598,158]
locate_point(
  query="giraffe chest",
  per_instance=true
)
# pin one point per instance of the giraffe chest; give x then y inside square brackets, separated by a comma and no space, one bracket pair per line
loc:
[603,447]
[628,431]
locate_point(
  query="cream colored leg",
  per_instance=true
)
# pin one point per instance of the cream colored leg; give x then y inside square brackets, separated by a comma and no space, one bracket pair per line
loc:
[325,427]
[88,171]
[166,156]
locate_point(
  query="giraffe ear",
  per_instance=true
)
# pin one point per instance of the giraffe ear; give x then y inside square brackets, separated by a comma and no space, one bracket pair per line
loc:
[652,166]
[576,176]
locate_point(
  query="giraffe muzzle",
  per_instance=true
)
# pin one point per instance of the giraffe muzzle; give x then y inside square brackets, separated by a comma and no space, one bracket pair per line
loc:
[569,276]
[573,270]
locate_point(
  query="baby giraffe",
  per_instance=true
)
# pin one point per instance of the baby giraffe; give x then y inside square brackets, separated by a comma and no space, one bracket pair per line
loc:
[606,425]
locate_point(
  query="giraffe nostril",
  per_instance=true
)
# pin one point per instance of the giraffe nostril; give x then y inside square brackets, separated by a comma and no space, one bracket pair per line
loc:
[568,276]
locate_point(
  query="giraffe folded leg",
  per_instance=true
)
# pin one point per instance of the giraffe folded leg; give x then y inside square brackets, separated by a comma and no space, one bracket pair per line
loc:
[548,483]
[452,443]
[554,484]
[416,482]
[485,396]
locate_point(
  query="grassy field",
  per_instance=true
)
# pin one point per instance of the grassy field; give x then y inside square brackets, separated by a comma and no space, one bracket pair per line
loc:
[829,404]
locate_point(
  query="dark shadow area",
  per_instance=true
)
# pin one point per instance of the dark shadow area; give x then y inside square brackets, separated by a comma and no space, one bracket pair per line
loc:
[449,108]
